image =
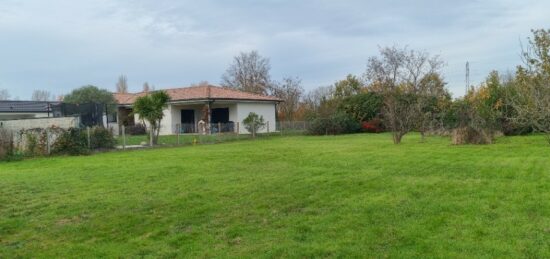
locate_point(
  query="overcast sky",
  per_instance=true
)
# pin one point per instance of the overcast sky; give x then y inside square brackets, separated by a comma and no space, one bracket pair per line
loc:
[59,45]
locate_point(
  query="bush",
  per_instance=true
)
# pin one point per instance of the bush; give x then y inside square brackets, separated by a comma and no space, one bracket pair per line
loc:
[6,144]
[101,138]
[71,142]
[138,129]
[372,126]
[254,122]
[469,135]
[339,123]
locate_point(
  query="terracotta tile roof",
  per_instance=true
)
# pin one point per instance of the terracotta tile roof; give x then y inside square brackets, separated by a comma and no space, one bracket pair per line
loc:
[200,93]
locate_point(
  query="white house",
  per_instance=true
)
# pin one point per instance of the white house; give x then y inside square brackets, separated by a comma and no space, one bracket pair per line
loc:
[194,109]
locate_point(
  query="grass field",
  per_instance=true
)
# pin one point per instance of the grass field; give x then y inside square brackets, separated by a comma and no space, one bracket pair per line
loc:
[337,196]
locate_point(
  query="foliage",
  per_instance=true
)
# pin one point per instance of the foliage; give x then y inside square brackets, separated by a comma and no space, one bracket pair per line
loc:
[363,106]
[373,126]
[253,123]
[91,94]
[249,72]
[338,123]
[348,87]
[71,142]
[101,138]
[6,144]
[151,108]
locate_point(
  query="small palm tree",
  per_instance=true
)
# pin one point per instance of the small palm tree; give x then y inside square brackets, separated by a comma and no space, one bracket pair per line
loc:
[150,108]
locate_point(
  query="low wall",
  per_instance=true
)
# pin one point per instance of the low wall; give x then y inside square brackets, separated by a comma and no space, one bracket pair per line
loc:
[60,122]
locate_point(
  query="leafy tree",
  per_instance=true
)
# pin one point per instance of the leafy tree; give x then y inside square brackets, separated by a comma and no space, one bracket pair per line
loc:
[249,72]
[151,108]
[89,94]
[253,123]
[348,87]
[363,106]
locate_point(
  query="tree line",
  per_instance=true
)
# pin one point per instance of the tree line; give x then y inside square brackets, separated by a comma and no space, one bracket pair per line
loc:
[404,90]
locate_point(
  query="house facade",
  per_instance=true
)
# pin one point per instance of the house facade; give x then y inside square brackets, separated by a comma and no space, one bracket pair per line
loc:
[204,109]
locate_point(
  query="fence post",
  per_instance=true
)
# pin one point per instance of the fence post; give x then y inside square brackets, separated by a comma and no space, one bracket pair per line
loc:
[151,135]
[178,130]
[48,147]
[254,128]
[123,137]
[89,140]
[238,128]
[268,127]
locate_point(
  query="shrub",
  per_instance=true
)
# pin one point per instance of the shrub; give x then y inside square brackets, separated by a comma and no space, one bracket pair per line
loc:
[6,144]
[101,137]
[372,126]
[254,122]
[71,142]
[138,129]
[469,135]
[339,123]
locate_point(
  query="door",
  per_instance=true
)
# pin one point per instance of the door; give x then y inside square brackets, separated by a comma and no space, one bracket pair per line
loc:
[220,120]
[187,121]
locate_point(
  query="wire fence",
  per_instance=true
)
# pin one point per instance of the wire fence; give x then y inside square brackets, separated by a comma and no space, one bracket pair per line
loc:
[51,140]
[205,133]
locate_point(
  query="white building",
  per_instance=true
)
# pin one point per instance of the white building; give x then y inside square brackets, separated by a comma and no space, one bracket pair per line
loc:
[220,109]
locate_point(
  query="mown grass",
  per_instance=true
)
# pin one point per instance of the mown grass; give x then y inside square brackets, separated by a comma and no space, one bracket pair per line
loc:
[336,196]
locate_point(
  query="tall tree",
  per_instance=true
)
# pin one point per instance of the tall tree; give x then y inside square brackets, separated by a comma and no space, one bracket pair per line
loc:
[290,91]
[151,108]
[404,77]
[42,95]
[122,84]
[249,72]
[4,94]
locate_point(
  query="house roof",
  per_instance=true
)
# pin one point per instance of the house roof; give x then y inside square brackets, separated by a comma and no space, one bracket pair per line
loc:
[206,92]
[24,106]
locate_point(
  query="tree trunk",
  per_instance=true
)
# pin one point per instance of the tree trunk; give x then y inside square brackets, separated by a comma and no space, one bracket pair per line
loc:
[397,136]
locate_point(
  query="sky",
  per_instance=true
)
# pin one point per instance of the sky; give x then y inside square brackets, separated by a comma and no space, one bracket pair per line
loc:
[59,45]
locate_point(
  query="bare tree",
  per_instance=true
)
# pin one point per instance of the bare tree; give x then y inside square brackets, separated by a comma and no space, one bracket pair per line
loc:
[249,72]
[4,94]
[290,91]
[146,87]
[42,95]
[404,77]
[122,84]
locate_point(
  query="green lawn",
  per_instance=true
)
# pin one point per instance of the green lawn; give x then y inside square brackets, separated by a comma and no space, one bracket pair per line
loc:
[300,196]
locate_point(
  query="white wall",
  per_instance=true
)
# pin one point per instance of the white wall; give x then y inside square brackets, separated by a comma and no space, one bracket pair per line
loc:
[265,109]
[61,122]
[165,124]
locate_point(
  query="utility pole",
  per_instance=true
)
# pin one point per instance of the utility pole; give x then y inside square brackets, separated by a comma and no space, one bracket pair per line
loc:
[467,77]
